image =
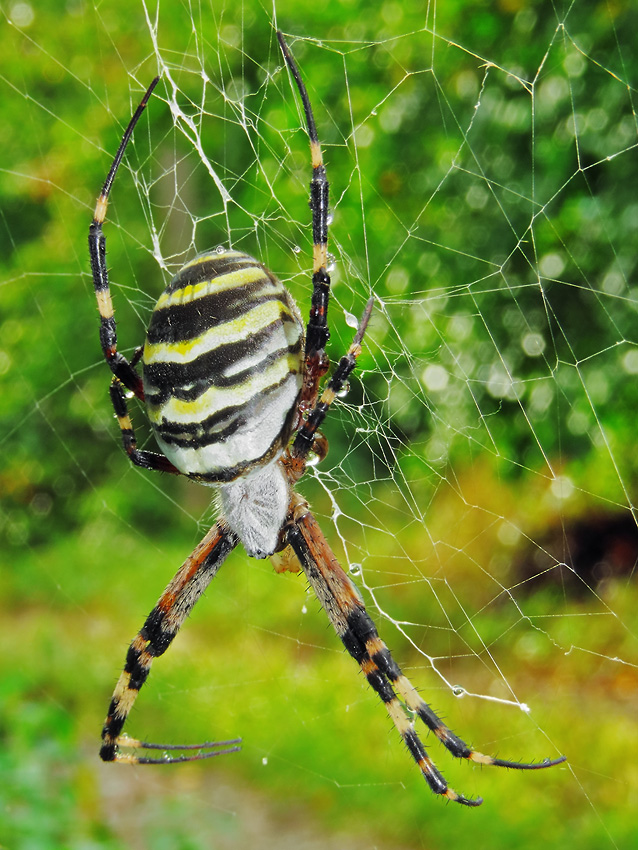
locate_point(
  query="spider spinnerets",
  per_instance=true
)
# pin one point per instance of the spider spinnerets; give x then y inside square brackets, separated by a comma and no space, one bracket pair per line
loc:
[230,382]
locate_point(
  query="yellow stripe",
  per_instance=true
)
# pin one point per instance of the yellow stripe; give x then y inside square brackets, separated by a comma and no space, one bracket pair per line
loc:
[104,303]
[125,423]
[396,712]
[319,256]
[243,327]
[223,283]
[315,153]
[100,209]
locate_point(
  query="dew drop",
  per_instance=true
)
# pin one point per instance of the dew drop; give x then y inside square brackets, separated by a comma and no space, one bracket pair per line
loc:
[312,459]
[351,320]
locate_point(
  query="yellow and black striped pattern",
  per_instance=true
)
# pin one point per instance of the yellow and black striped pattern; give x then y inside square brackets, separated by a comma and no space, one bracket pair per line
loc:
[223,366]
[156,635]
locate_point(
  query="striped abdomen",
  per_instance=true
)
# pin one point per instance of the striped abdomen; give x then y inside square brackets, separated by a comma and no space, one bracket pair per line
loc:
[223,366]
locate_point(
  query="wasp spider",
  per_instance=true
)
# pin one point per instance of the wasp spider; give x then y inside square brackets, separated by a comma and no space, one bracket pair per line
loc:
[230,380]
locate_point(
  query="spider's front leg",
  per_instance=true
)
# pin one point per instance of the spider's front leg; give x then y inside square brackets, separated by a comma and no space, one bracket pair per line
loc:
[119,365]
[124,372]
[317,332]
[346,611]
[154,638]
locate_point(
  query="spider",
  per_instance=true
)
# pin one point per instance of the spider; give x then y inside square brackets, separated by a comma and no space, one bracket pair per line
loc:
[230,381]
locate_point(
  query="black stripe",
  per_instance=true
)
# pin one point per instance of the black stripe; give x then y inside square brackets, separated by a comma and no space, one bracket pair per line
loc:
[205,434]
[415,746]
[97,253]
[319,204]
[111,730]
[353,645]
[172,432]
[381,685]
[360,622]
[138,672]
[191,319]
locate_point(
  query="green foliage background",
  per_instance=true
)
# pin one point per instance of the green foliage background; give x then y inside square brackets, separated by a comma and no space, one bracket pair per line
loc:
[433,216]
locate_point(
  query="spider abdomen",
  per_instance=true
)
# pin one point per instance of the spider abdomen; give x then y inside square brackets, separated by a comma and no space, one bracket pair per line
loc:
[223,366]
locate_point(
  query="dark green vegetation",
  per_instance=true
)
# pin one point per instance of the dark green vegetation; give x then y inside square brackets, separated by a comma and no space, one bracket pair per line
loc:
[495,402]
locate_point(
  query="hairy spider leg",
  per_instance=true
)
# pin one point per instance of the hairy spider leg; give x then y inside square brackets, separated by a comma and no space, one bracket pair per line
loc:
[153,639]
[317,333]
[346,611]
[342,603]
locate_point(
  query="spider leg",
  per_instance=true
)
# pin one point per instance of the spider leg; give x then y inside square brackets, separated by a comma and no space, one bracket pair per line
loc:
[317,333]
[147,460]
[154,638]
[380,654]
[346,611]
[342,603]
[119,365]
[305,437]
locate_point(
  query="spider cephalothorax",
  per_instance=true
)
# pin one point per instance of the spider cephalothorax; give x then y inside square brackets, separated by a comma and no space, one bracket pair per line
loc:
[230,381]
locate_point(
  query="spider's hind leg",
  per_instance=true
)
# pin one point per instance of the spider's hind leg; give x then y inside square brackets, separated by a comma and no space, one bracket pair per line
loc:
[154,638]
[380,655]
[342,602]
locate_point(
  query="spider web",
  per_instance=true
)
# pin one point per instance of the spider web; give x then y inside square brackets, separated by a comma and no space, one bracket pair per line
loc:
[480,483]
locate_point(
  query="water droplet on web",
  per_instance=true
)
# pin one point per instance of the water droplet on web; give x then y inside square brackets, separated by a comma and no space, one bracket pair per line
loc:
[330,217]
[458,691]
[296,249]
[562,487]
[331,262]
[220,249]
[351,320]
[264,761]
[344,390]
[355,569]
